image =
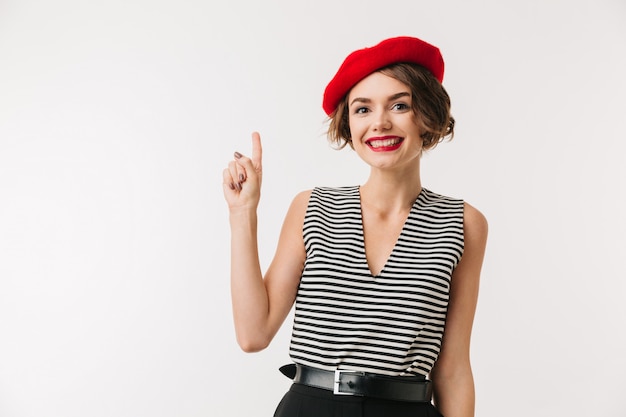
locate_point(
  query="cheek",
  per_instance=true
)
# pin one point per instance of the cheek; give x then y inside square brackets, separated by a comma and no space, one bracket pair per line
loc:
[356,126]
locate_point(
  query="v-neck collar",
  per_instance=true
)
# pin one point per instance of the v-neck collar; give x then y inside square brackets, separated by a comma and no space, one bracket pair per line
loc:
[414,207]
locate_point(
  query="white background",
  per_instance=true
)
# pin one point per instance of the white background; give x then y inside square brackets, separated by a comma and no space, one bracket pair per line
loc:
[117,117]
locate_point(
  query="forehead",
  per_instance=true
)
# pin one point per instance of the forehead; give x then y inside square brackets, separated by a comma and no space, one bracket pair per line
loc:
[377,85]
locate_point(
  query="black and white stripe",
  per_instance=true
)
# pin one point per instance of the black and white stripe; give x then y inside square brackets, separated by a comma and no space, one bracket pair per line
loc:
[389,324]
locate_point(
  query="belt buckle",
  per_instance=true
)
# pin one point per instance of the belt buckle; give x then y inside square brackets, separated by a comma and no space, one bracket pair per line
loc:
[337,381]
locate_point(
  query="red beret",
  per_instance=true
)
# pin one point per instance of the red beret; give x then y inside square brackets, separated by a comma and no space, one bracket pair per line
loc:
[361,63]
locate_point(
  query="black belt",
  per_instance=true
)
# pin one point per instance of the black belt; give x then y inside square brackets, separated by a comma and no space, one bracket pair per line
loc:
[344,382]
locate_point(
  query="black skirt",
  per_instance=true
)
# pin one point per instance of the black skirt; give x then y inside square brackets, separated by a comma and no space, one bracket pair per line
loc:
[305,401]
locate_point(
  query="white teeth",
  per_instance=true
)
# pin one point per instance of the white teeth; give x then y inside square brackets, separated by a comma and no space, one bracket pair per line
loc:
[384,142]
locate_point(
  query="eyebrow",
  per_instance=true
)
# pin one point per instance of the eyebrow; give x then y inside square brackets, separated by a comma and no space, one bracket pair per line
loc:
[391,98]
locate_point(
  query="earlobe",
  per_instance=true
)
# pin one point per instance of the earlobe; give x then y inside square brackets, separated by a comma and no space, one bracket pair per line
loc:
[426,142]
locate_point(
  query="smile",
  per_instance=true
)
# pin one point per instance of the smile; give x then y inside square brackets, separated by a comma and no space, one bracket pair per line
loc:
[384,143]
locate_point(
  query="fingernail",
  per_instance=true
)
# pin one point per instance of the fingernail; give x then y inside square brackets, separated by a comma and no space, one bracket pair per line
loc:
[238,186]
[238,155]
[241,178]
[232,186]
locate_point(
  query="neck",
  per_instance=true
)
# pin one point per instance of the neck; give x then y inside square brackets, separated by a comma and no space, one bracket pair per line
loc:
[391,192]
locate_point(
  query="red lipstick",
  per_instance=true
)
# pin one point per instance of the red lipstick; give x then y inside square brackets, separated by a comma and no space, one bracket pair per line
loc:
[384,143]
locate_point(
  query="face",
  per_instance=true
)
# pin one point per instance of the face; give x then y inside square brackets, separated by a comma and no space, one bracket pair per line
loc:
[384,129]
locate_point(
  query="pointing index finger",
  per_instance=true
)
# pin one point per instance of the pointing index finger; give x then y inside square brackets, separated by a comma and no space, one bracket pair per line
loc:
[257,151]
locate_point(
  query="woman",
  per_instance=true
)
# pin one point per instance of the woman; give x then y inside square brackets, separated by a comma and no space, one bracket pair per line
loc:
[384,275]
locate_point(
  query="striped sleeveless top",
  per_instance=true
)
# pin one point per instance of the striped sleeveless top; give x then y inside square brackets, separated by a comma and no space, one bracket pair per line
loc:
[389,324]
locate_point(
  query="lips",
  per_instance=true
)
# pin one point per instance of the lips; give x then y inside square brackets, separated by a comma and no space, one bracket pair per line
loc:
[384,143]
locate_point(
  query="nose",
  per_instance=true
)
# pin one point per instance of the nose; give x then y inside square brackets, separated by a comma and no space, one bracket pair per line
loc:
[382,122]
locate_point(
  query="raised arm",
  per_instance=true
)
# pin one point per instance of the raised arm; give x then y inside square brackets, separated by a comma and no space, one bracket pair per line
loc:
[453,381]
[260,303]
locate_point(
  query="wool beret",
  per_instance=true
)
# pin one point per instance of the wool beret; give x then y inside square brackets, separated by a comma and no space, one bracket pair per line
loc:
[361,63]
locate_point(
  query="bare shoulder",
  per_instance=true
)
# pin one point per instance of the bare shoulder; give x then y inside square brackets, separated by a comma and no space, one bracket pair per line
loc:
[297,209]
[302,198]
[300,203]
[475,224]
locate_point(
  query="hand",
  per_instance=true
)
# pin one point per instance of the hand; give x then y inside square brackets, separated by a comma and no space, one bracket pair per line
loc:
[242,178]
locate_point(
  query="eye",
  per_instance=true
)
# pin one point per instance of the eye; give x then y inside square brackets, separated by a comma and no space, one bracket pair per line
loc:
[401,107]
[361,110]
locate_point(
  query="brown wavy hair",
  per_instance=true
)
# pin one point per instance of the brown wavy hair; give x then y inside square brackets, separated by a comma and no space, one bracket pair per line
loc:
[430,102]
